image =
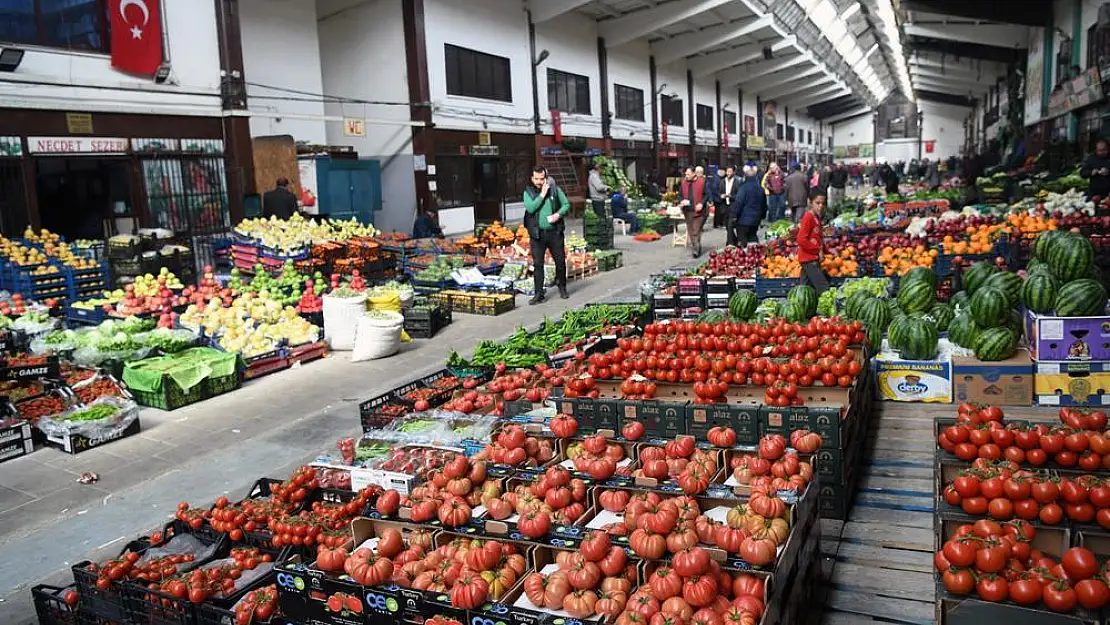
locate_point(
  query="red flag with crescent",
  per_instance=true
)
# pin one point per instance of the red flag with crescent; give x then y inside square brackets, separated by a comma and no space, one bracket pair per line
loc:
[136,36]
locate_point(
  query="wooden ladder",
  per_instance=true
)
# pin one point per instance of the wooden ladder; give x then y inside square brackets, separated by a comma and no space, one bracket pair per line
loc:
[561,168]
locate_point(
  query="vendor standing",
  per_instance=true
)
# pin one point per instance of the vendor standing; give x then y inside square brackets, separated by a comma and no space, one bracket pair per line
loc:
[811,244]
[545,207]
[691,195]
[1096,167]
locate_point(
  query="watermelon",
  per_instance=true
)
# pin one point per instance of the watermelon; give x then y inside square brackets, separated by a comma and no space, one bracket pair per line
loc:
[963,330]
[874,337]
[996,344]
[1043,245]
[1038,292]
[921,273]
[1036,265]
[1081,298]
[795,312]
[960,301]
[853,303]
[1009,283]
[1016,322]
[989,307]
[1071,257]
[976,276]
[920,340]
[894,308]
[875,314]
[806,297]
[712,316]
[895,332]
[742,304]
[941,315]
[916,295]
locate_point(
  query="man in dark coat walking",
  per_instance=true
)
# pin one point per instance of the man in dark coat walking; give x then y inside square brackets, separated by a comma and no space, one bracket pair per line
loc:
[748,210]
[279,202]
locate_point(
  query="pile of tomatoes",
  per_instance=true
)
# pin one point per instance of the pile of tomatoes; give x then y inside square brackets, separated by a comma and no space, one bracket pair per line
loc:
[1004,491]
[452,493]
[997,562]
[132,566]
[594,580]
[713,356]
[679,460]
[1080,441]
[218,579]
[598,457]
[773,467]
[257,606]
[555,496]
[514,447]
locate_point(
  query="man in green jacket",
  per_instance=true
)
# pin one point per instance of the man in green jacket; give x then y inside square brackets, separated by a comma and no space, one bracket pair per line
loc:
[545,208]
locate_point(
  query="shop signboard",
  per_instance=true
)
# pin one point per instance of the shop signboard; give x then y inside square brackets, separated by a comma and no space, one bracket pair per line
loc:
[866,150]
[756,142]
[749,124]
[202,146]
[853,151]
[485,150]
[153,146]
[11,146]
[77,145]
[770,110]
[840,151]
[354,127]
[79,123]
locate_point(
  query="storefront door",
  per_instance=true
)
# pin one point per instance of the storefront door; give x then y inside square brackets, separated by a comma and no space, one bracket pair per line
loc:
[13,199]
[76,195]
[487,189]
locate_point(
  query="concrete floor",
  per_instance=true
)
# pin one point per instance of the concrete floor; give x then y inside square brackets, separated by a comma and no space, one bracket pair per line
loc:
[221,446]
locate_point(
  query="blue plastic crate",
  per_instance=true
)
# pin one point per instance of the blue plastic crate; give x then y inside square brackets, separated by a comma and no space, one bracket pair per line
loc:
[85,316]
[773,287]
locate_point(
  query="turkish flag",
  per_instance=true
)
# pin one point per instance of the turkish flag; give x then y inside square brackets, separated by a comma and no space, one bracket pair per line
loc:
[136,36]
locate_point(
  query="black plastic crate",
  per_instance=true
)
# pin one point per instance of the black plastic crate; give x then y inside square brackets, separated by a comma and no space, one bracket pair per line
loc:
[109,603]
[50,605]
[171,396]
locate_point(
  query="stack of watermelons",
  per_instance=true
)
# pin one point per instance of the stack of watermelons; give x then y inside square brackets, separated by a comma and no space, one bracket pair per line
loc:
[742,305]
[1062,277]
[988,320]
[917,318]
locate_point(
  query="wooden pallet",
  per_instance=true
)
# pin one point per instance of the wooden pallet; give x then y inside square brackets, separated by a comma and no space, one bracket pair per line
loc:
[878,565]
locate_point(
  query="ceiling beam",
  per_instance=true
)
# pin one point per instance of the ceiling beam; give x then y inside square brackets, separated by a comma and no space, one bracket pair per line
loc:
[855,112]
[985,80]
[943,98]
[965,50]
[802,94]
[681,46]
[940,86]
[708,64]
[621,30]
[997,35]
[915,74]
[545,10]
[749,73]
[769,83]
[966,65]
[958,72]
[796,86]
[1026,12]
[820,96]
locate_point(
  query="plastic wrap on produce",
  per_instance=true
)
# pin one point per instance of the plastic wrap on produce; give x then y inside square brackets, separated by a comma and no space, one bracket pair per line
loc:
[92,356]
[436,426]
[100,419]
[53,343]
[246,579]
[168,340]
[33,325]
[181,544]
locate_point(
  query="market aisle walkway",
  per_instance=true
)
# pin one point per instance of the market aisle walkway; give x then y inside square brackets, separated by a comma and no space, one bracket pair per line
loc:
[219,447]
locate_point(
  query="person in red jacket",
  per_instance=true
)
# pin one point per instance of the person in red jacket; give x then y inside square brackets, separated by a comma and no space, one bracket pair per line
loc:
[691,194]
[811,244]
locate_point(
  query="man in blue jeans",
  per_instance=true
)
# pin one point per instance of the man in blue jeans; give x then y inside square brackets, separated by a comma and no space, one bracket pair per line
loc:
[774,185]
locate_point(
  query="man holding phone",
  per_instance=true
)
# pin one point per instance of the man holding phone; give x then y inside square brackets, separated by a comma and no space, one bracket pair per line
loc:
[545,208]
[1096,167]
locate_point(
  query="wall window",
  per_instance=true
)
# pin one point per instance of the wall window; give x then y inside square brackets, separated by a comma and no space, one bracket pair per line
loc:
[569,93]
[1098,45]
[789,133]
[1063,61]
[704,117]
[454,181]
[477,74]
[630,103]
[672,110]
[69,24]
[809,137]
[729,120]
[779,133]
